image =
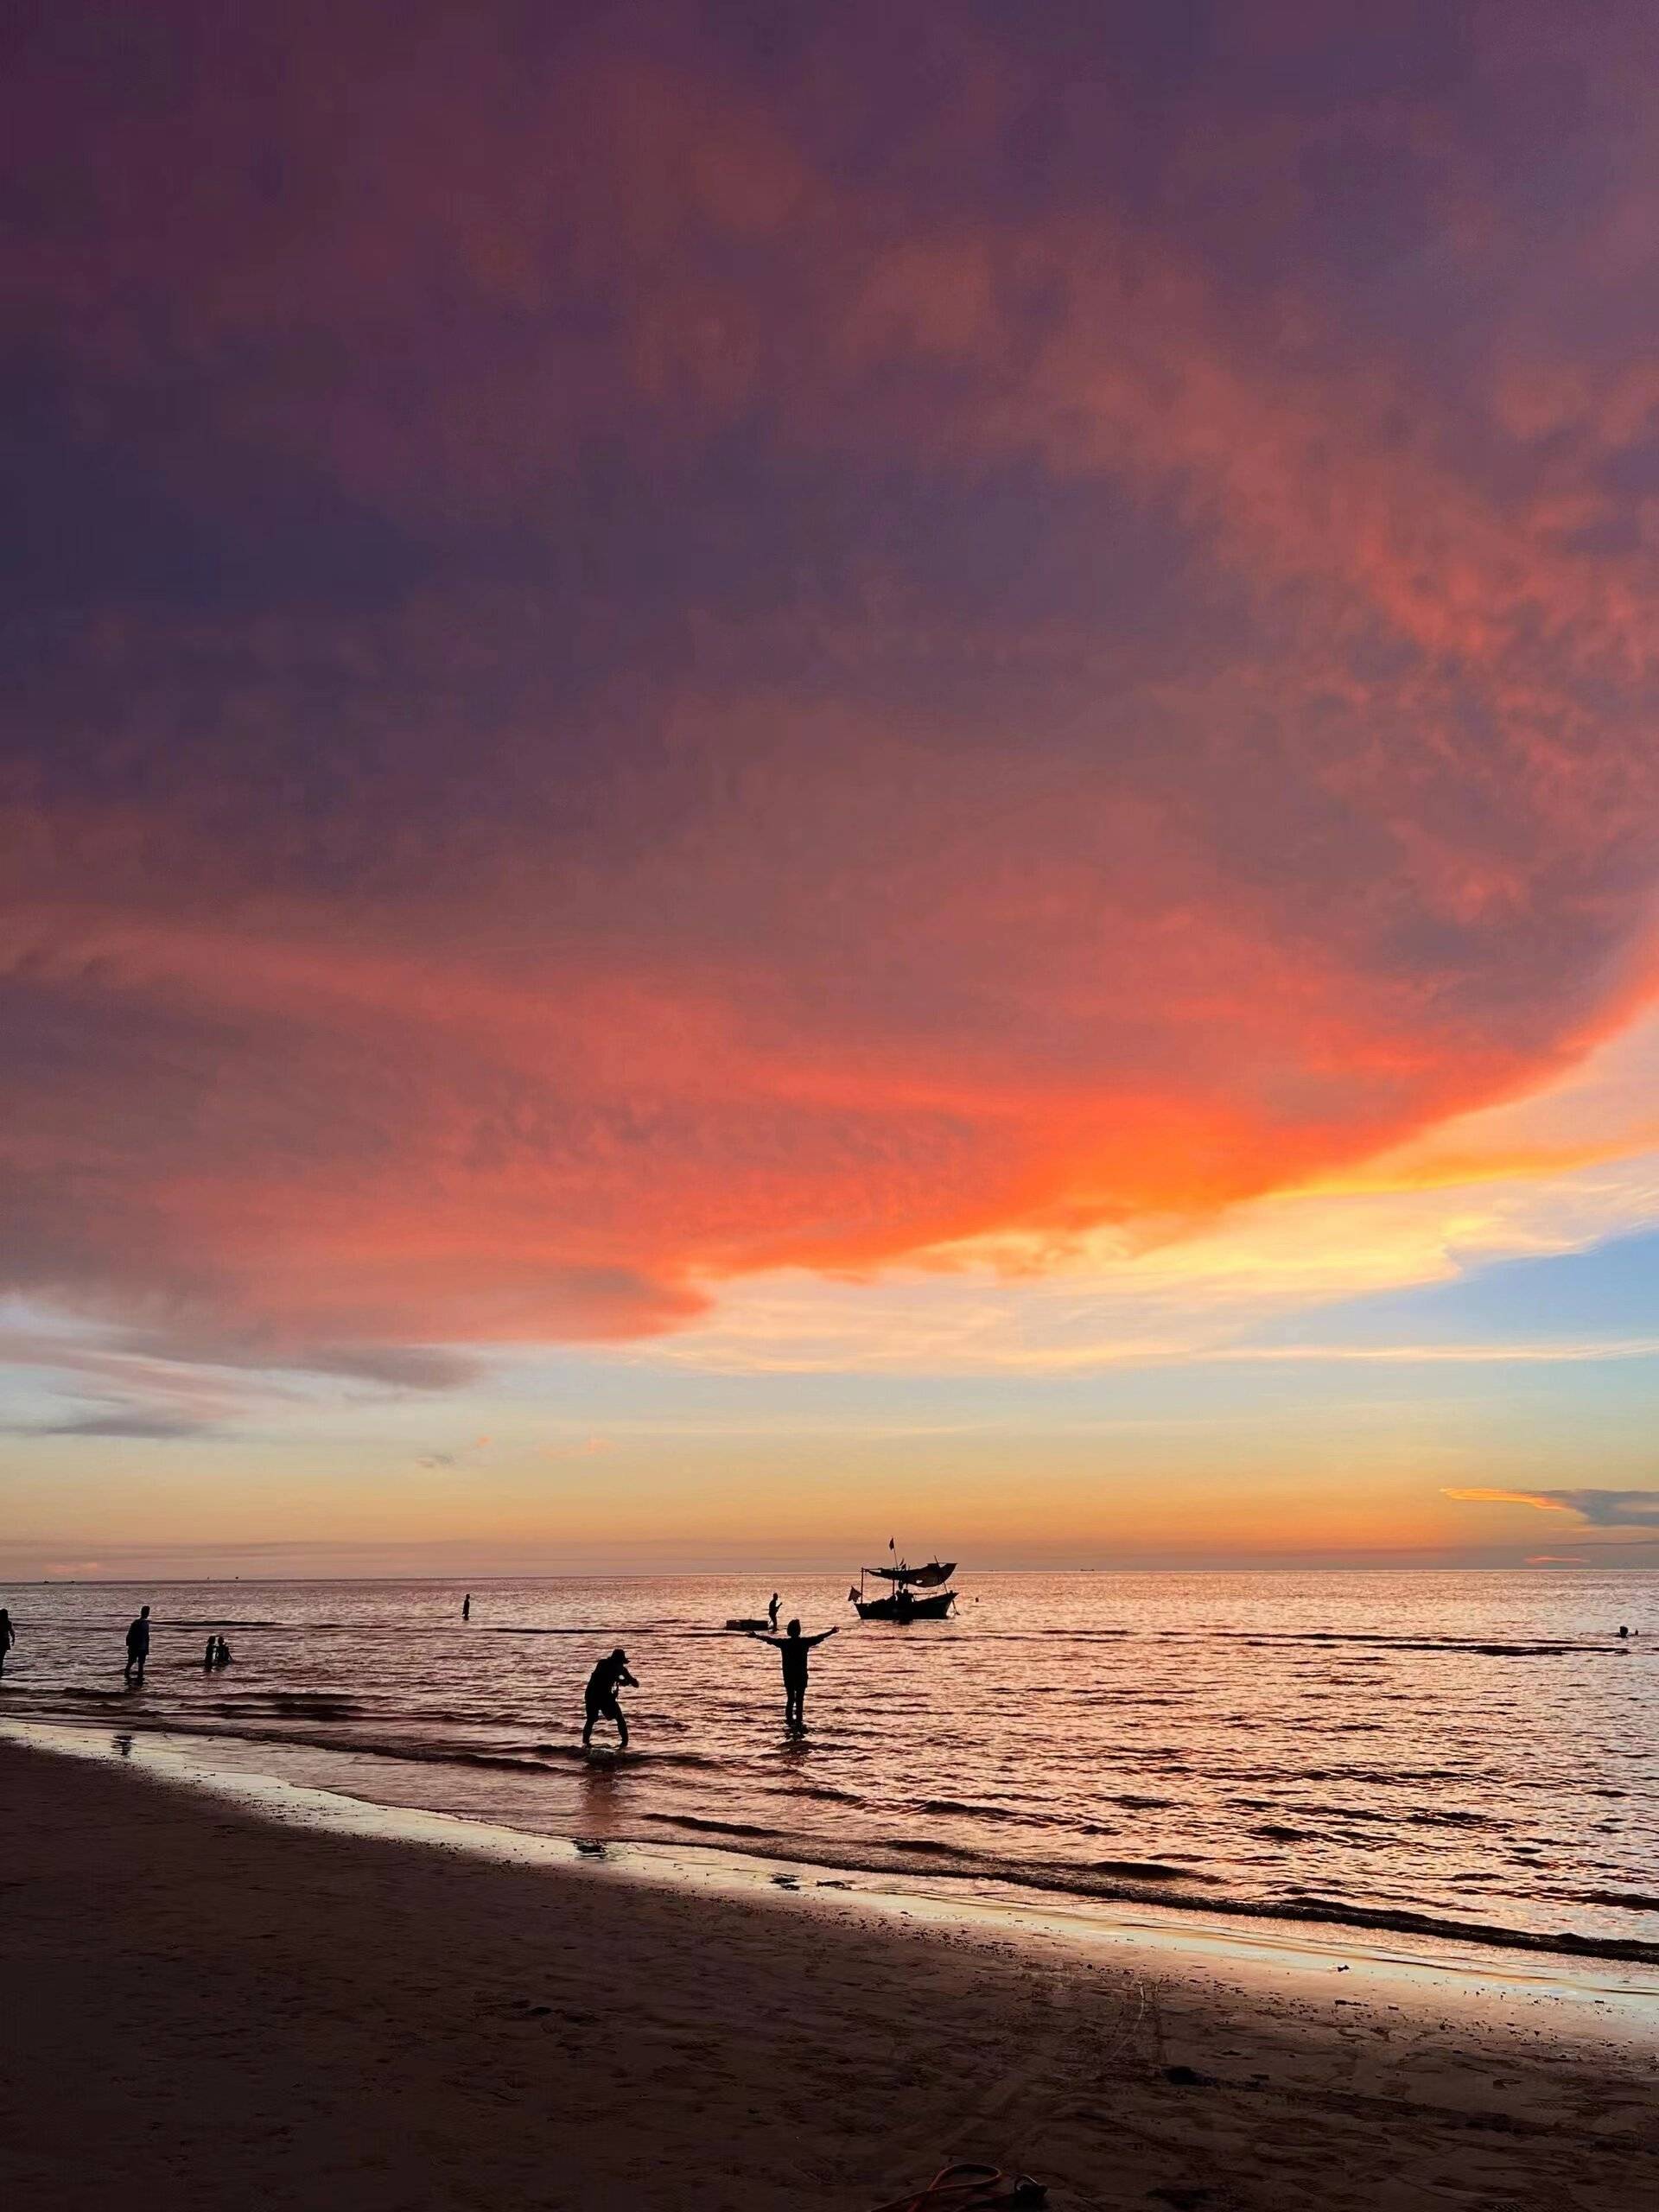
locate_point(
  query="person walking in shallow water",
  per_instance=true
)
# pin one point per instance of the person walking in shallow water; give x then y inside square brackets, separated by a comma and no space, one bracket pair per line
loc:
[7,1637]
[792,1649]
[610,1676]
[466,1606]
[772,1612]
[137,1647]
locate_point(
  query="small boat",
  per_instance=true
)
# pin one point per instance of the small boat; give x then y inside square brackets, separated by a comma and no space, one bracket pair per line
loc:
[905,1601]
[749,1627]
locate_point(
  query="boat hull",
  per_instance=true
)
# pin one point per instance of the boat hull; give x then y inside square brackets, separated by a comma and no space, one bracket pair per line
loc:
[903,1609]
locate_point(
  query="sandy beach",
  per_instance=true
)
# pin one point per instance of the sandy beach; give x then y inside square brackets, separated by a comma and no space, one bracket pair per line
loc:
[209,2006]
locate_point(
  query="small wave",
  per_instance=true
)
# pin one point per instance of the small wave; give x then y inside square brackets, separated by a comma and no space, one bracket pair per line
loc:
[710,1828]
[1145,1870]
[968,1811]
[1475,1646]
[231,1620]
[555,1631]
[1308,1906]
[1621,1900]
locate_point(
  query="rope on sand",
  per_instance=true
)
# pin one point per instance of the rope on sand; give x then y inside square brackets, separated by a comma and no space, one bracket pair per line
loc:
[968,2187]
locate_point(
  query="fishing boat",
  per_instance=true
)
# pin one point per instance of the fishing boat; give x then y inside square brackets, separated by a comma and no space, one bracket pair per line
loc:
[918,1593]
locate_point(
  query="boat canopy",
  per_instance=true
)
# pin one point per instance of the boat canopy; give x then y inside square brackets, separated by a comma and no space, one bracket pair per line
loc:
[921,1578]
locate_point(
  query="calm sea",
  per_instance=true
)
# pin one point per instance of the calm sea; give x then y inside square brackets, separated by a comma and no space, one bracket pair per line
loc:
[1472,1753]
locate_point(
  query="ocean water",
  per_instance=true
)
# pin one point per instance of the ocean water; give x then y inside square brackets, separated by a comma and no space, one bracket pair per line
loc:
[1471,1754]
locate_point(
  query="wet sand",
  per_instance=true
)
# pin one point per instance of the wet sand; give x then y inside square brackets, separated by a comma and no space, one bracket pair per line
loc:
[209,2005]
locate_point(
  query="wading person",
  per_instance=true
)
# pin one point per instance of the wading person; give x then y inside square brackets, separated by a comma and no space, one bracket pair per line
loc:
[137,1646]
[7,1637]
[792,1649]
[610,1676]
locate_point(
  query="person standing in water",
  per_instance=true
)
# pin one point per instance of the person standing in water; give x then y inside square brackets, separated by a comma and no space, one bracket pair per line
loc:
[772,1612]
[792,1649]
[610,1676]
[137,1647]
[7,1637]
[466,1606]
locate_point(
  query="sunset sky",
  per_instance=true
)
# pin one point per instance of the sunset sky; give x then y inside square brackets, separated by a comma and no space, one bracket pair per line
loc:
[777,772]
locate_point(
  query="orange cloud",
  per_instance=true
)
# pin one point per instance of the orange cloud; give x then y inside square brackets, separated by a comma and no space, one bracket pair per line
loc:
[663,667]
[1538,1500]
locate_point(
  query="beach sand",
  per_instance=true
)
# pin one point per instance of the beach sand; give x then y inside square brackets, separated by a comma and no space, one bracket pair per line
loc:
[205,2007]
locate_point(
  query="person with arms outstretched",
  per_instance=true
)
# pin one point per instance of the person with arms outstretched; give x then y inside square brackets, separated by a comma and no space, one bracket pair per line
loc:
[610,1676]
[792,1649]
[137,1647]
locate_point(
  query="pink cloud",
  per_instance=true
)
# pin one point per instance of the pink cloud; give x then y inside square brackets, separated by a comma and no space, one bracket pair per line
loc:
[643,661]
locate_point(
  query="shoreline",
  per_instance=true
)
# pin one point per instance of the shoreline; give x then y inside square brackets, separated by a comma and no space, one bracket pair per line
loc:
[286,2000]
[1268,1950]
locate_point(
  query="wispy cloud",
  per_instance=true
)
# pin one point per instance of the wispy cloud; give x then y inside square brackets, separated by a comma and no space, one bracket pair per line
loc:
[1543,1500]
[1598,1509]
[150,1383]
[153,1428]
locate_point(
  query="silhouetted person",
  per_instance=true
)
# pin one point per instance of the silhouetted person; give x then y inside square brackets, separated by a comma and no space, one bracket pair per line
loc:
[137,1646]
[224,1657]
[772,1611]
[7,1637]
[610,1676]
[792,1649]
[466,1606]
[1624,1632]
[210,1658]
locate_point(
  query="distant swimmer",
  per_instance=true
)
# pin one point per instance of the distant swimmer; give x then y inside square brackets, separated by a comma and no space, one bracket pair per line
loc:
[771,1611]
[792,1649]
[7,1637]
[610,1676]
[210,1658]
[466,1606]
[224,1657]
[137,1647]
[1623,1631]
